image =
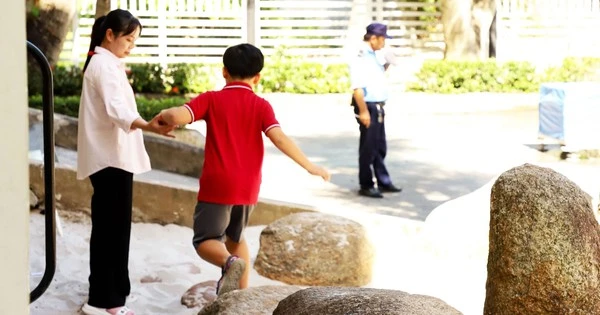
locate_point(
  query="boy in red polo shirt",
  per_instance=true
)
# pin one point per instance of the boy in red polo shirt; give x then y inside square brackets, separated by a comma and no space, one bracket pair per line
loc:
[231,174]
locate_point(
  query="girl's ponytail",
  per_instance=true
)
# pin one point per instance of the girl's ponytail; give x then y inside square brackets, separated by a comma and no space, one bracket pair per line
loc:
[96,38]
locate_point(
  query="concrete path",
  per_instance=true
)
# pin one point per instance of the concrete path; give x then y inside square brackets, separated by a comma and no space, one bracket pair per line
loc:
[440,147]
[434,154]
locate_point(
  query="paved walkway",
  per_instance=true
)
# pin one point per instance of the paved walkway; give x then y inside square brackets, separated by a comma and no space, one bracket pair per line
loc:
[434,154]
[440,147]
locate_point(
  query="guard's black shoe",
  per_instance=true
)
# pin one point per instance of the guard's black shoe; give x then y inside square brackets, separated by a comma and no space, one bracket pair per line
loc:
[370,192]
[390,189]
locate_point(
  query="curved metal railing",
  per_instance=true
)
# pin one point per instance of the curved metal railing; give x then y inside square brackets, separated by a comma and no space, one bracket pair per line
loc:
[49,199]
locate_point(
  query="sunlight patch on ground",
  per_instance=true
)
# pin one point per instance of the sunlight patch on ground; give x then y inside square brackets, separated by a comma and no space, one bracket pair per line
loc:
[436,196]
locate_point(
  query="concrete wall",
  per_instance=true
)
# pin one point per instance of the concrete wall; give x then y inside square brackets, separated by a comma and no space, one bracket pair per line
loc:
[14,195]
[165,154]
[153,202]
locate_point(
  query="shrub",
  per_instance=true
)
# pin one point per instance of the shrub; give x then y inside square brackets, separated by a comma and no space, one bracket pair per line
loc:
[66,105]
[67,80]
[150,107]
[290,74]
[574,70]
[147,78]
[192,78]
[440,76]
[147,107]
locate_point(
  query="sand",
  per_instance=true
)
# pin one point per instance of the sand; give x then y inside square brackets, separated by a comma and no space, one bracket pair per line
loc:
[159,252]
[403,262]
[443,257]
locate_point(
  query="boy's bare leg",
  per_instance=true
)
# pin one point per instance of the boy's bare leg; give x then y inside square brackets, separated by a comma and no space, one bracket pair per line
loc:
[241,250]
[213,251]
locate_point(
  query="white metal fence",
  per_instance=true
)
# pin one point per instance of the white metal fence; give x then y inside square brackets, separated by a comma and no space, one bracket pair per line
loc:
[198,31]
[546,31]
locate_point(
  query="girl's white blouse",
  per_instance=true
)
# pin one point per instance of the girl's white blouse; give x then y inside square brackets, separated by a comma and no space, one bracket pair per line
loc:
[106,111]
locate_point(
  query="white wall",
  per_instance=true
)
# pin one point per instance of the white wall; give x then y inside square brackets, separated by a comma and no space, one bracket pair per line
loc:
[14,178]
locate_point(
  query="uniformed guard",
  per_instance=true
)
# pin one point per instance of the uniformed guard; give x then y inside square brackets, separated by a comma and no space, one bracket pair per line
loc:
[368,82]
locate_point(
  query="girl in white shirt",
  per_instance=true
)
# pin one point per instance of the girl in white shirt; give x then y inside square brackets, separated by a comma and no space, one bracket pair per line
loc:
[110,149]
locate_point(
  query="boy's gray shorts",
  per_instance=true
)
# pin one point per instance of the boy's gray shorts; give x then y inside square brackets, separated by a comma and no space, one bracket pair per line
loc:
[215,221]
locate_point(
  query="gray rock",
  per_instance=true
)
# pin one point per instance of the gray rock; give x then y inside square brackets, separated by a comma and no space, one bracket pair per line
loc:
[200,294]
[150,279]
[251,301]
[33,200]
[367,301]
[315,249]
[544,255]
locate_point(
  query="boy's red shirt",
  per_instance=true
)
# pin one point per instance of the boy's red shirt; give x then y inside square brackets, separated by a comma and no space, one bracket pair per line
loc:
[235,119]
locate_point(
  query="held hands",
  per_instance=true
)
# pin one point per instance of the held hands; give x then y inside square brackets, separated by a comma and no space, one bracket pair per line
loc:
[157,125]
[319,171]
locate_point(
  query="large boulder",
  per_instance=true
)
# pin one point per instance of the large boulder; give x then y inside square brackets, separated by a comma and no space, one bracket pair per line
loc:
[315,249]
[251,301]
[341,301]
[544,255]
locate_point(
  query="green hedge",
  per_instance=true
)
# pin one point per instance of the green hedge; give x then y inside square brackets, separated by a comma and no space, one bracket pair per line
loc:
[147,107]
[281,74]
[575,70]
[146,78]
[440,76]
[192,78]
[288,74]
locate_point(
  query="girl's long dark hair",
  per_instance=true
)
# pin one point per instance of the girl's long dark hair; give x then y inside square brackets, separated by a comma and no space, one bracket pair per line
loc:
[121,22]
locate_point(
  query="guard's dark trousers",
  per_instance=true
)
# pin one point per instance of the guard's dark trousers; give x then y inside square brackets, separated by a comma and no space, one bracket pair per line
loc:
[372,148]
[109,243]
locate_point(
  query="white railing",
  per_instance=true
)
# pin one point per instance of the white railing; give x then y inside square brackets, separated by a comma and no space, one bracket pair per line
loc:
[197,31]
[546,31]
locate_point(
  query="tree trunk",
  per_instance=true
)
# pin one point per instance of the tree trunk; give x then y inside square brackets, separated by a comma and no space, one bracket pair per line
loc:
[48,22]
[492,46]
[102,8]
[467,26]
[49,27]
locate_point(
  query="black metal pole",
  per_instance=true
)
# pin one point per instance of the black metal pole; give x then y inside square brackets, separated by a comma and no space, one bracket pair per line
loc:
[49,200]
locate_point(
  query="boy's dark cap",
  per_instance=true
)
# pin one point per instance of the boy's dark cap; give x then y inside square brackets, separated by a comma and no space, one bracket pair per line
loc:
[378,29]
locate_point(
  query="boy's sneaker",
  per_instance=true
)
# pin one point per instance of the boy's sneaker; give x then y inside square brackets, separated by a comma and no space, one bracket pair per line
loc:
[230,275]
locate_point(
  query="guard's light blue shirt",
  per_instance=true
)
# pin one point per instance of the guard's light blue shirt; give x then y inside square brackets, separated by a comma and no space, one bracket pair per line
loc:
[367,72]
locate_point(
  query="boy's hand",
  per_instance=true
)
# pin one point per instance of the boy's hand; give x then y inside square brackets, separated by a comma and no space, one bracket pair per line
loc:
[319,171]
[157,125]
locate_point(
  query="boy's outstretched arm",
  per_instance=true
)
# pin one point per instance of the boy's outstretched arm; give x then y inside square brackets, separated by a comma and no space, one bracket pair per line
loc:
[289,148]
[176,116]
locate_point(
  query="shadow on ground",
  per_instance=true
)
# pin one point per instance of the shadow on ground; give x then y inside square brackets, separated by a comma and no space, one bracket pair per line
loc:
[426,183]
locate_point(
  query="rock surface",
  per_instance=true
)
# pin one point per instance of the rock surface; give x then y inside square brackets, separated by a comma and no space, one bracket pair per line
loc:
[251,301]
[544,255]
[341,301]
[200,294]
[315,249]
